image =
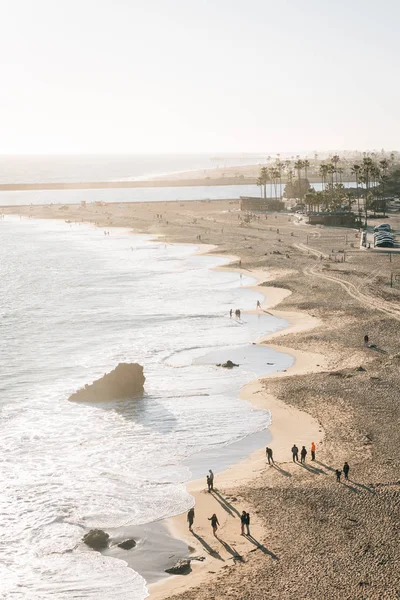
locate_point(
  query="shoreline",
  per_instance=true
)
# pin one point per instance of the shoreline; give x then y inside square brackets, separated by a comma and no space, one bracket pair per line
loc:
[335,526]
[286,422]
[284,425]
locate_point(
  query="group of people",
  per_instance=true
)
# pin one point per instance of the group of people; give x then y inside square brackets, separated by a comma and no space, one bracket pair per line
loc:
[237,313]
[346,469]
[303,454]
[244,517]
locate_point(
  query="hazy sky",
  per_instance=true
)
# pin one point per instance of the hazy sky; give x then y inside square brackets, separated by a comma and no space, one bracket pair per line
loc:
[198,75]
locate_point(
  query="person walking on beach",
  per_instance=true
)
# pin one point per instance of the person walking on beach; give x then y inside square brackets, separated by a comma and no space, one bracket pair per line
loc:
[312,451]
[208,483]
[211,479]
[303,454]
[268,452]
[366,340]
[190,518]
[248,523]
[295,453]
[258,304]
[243,521]
[346,470]
[214,524]
[338,474]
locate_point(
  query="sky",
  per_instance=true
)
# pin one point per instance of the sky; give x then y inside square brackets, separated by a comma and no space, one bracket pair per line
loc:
[121,76]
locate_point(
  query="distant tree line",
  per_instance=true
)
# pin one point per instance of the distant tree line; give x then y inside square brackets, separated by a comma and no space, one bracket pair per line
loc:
[375,180]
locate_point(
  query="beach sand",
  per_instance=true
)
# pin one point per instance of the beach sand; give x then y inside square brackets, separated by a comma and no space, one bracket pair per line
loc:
[314,538]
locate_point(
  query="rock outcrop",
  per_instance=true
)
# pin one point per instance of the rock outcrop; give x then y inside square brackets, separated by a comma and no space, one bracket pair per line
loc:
[228,365]
[96,539]
[127,544]
[124,381]
[182,567]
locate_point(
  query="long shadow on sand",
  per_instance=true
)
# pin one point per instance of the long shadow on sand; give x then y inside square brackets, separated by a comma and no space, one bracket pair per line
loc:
[281,471]
[311,469]
[207,547]
[259,546]
[327,467]
[235,555]
[227,506]
[351,488]
[361,485]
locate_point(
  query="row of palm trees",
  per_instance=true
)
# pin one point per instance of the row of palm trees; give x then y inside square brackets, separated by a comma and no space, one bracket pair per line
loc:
[370,177]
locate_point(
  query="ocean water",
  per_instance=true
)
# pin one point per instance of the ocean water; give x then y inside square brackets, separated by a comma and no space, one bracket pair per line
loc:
[73,304]
[157,194]
[102,167]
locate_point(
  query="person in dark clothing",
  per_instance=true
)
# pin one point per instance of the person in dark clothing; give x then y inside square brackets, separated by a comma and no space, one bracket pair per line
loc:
[214,524]
[248,523]
[303,454]
[366,340]
[242,521]
[346,470]
[211,479]
[338,475]
[295,453]
[268,452]
[190,518]
[208,483]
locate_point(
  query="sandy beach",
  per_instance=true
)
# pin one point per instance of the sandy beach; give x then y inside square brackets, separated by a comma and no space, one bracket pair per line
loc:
[311,537]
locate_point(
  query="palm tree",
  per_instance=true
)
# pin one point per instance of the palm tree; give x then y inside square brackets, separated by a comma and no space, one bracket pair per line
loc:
[323,171]
[384,165]
[355,169]
[279,166]
[335,160]
[365,177]
[274,175]
[306,165]
[340,171]
[331,171]
[262,180]
[298,165]
[310,199]
[260,183]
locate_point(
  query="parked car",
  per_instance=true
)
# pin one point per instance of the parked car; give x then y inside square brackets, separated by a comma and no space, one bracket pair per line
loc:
[384,234]
[383,239]
[384,243]
[385,226]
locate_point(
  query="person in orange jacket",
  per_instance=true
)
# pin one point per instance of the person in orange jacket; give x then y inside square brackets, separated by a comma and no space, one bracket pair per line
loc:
[312,451]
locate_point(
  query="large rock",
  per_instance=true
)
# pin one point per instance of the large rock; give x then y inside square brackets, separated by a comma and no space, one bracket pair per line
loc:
[96,539]
[124,381]
[182,567]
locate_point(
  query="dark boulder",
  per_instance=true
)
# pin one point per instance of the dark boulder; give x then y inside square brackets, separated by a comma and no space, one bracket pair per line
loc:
[127,544]
[228,365]
[96,539]
[125,381]
[182,567]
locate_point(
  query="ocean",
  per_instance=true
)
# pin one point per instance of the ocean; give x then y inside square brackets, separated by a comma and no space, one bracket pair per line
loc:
[73,304]
[75,168]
